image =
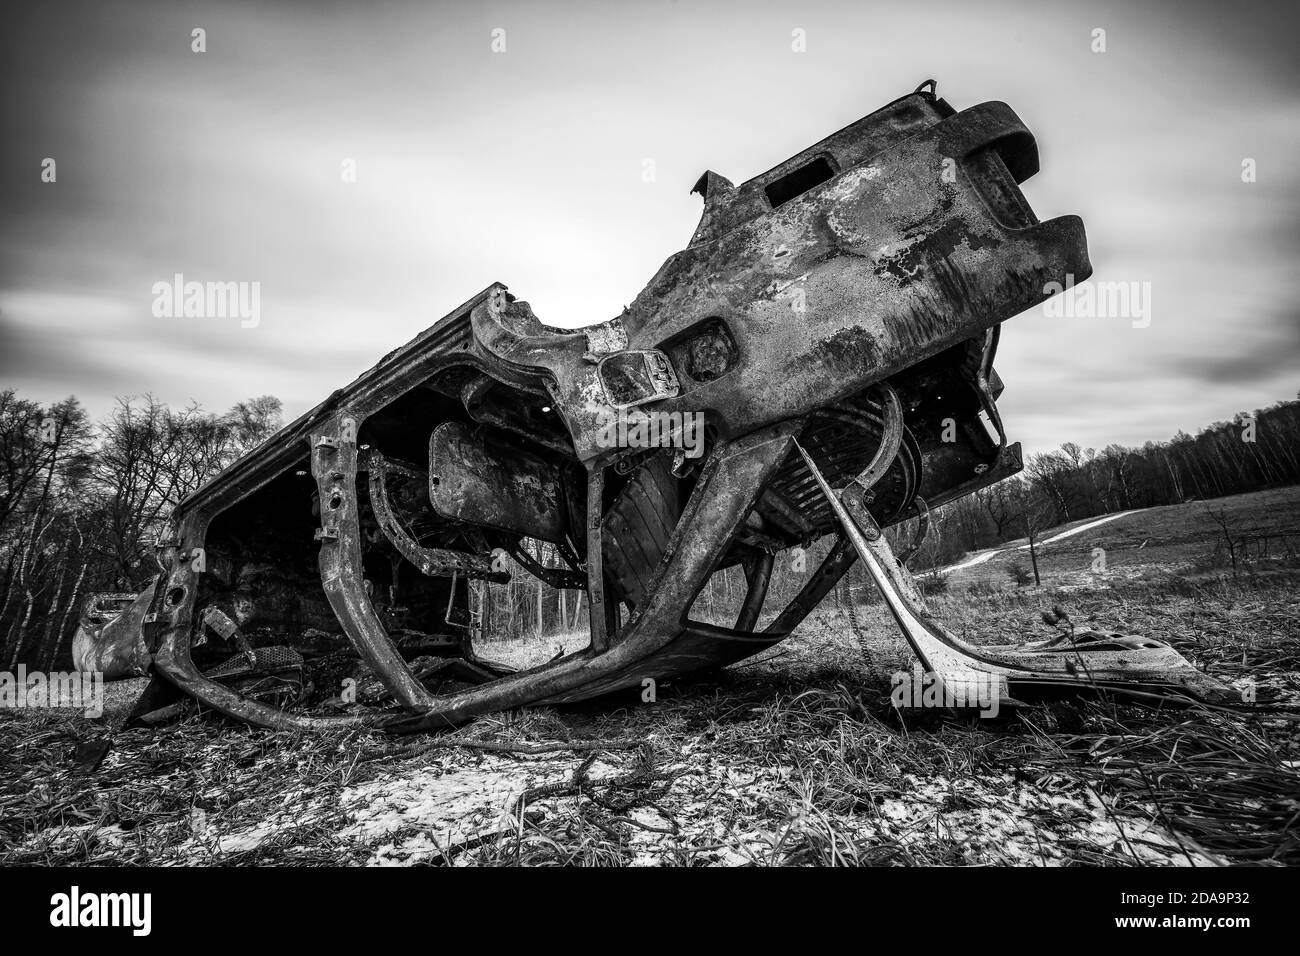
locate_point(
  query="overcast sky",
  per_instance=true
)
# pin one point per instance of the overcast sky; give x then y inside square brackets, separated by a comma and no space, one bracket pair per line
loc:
[527,167]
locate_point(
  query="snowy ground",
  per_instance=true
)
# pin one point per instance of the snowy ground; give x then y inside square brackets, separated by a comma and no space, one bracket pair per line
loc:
[992,553]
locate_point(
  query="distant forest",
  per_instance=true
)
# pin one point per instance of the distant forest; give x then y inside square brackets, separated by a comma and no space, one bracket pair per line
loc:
[82,502]
[1252,451]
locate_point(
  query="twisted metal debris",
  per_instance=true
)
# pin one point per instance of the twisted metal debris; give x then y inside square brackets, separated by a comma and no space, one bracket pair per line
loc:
[825,341]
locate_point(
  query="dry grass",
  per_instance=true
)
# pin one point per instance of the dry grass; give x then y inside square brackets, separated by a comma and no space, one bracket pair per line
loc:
[1221,785]
[794,758]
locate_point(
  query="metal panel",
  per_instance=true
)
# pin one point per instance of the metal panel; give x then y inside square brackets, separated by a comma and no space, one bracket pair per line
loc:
[485,478]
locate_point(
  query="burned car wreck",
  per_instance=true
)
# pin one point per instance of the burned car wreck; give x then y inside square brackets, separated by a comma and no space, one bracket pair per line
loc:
[825,321]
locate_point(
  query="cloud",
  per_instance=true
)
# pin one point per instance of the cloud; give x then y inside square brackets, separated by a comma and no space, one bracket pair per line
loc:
[528,168]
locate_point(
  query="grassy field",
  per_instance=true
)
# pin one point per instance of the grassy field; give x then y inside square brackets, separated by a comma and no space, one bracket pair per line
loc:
[795,757]
[1186,542]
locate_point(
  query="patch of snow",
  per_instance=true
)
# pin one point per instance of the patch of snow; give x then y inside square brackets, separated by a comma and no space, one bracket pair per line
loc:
[984,556]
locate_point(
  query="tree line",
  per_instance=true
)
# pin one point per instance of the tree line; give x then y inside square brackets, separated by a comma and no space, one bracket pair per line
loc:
[1251,452]
[82,503]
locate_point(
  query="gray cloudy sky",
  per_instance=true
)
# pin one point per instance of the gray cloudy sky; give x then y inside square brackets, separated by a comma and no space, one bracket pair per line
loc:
[527,167]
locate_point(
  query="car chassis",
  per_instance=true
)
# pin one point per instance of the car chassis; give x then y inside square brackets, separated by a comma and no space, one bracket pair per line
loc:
[832,322]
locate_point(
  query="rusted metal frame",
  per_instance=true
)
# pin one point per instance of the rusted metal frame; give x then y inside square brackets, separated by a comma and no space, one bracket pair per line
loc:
[334,466]
[433,562]
[868,356]
[565,550]
[472,628]
[891,438]
[938,652]
[887,416]
[614,615]
[1003,669]
[922,528]
[839,559]
[778,507]
[833,567]
[758,573]
[892,431]
[217,620]
[391,466]
[484,415]
[985,389]
[759,541]
[115,645]
[93,613]
[552,577]
[843,415]
[723,495]
[173,628]
[597,613]
[1008,463]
